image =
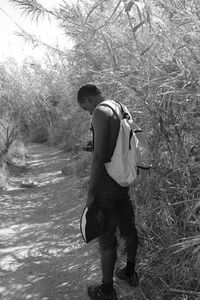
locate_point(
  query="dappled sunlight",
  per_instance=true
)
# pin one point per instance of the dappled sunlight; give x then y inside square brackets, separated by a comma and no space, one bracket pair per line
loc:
[46,161]
[36,163]
[9,263]
[6,233]
[42,180]
[42,254]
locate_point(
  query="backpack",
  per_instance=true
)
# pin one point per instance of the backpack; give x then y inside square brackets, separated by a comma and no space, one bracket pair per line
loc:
[130,163]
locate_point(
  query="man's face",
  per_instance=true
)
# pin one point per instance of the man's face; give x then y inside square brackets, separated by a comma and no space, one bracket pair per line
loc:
[87,105]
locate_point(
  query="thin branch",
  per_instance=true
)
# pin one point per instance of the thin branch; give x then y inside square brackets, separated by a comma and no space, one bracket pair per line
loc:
[36,42]
[96,30]
[1,123]
[131,25]
[184,201]
[33,8]
[109,49]
[115,9]
[185,292]
[31,38]
[178,290]
[138,25]
[119,14]
[11,19]
[90,12]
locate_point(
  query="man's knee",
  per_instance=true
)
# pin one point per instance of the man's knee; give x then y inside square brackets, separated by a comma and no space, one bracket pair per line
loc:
[107,243]
[131,237]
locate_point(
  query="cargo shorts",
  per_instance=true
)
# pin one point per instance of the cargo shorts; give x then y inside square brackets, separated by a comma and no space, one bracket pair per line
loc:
[116,203]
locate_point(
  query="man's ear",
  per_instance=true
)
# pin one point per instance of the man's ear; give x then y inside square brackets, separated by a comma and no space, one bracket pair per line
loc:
[84,100]
[89,99]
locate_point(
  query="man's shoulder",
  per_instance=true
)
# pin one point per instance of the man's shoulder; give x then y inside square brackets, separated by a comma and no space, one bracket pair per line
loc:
[103,111]
[108,108]
[100,116]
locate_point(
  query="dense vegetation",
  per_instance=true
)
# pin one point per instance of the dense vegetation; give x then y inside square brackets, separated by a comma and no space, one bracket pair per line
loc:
[145,54]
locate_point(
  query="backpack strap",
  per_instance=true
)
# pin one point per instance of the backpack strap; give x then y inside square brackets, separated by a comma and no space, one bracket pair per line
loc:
[124,114]
[105,104]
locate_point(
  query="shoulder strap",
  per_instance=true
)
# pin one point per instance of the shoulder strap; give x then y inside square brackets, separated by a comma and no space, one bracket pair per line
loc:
[105,104]
[124,114]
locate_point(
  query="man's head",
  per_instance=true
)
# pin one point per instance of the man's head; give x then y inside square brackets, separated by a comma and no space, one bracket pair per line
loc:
[88,97]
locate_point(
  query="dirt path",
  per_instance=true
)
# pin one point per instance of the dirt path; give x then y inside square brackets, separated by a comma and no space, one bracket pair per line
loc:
[42,255]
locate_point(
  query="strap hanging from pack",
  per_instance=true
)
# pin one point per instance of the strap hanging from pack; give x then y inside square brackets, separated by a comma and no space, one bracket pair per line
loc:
[130,136]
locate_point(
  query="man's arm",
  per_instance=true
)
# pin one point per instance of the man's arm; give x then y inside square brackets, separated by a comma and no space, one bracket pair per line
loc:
[101,134]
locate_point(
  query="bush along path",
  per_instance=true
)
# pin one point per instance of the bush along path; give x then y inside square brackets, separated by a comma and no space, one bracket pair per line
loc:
[42,254]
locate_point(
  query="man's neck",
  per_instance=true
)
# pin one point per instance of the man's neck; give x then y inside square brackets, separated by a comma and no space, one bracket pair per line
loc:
[100,99]
[97,101]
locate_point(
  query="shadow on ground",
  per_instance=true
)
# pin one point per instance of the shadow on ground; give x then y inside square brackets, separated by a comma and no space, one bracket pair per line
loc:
[42,255]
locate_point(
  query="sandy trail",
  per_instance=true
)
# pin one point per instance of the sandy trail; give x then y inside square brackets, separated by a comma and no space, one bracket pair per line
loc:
[42,254]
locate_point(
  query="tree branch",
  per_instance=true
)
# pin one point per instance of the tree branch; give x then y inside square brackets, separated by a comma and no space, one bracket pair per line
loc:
[33,8]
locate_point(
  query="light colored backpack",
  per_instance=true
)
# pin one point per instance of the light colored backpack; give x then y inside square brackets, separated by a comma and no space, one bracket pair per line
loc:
[130,163]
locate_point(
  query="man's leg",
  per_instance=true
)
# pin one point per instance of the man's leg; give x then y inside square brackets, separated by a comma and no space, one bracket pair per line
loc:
[126,220]
[108,259]
[131,248]
[108,245]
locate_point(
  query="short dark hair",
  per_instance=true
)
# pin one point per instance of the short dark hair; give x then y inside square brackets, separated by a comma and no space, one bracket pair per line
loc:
[87,90]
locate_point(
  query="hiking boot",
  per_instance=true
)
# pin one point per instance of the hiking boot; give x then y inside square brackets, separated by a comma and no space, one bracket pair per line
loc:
[132,281]
[96,293]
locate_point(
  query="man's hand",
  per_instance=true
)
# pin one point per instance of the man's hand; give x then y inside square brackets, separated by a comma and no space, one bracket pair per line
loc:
[90,200]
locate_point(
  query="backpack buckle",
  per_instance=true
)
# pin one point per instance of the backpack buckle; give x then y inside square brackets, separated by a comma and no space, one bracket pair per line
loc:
[125,116]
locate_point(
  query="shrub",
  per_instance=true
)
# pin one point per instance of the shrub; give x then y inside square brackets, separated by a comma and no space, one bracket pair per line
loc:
[145,54]
[3,176]
[38,135]
[9,132]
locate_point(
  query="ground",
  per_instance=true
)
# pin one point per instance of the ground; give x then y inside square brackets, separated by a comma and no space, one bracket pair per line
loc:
[42,254]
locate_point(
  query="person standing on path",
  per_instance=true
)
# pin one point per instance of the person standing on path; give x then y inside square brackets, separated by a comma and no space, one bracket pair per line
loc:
[109,196]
